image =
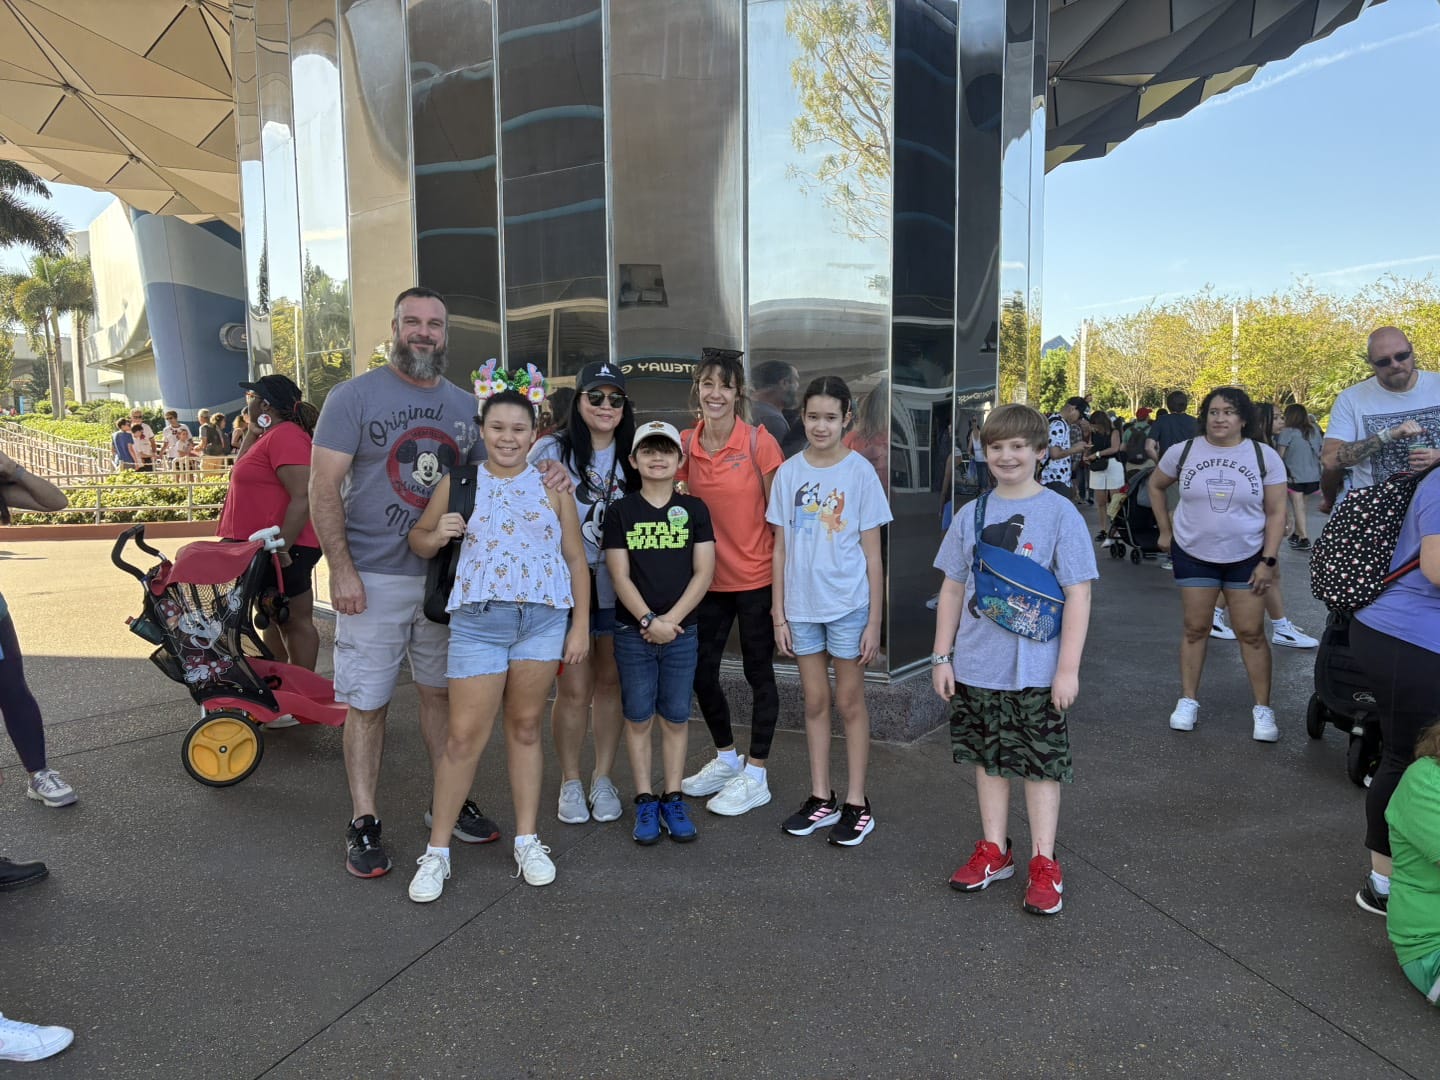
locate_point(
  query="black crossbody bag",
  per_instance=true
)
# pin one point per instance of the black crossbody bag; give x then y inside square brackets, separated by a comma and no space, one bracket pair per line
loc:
[440,574]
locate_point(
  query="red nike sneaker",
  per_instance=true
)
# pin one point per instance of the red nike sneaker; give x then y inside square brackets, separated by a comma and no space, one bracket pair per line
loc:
[1042,892]
[988,864]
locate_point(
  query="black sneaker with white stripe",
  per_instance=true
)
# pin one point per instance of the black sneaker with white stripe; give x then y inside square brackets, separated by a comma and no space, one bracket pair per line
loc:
[856,823]
[364,855]
[815,814]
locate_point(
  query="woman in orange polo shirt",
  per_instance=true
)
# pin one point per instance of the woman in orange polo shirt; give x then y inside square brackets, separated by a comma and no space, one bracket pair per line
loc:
[730,465]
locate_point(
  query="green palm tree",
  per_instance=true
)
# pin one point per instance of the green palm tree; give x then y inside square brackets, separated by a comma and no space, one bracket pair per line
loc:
[27,225]
[51,287]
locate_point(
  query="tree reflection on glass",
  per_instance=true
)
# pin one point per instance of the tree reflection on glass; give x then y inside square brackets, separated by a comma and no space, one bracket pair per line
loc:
[1019,349]
[843,79]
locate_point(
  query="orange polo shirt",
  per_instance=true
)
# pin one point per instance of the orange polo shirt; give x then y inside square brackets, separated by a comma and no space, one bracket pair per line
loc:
[726,481]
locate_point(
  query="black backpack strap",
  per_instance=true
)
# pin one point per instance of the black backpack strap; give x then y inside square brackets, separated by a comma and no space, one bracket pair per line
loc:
[1184,453]
[462,489]
[1260,459]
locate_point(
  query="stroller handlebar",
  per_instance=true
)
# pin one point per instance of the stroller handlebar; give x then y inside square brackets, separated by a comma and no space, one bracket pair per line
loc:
[137,534]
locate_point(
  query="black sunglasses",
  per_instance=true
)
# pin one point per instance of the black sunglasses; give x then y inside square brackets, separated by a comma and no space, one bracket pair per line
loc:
[597,398]
[1399,358]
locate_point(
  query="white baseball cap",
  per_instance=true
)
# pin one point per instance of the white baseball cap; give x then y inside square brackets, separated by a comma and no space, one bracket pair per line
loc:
[656,429]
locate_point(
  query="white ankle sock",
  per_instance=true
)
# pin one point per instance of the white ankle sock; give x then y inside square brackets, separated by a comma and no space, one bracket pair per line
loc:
[1380,882]
[757,771]
[730,757]
[431,849]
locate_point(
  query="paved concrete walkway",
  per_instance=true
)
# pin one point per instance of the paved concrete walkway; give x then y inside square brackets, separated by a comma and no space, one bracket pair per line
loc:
[1209,927]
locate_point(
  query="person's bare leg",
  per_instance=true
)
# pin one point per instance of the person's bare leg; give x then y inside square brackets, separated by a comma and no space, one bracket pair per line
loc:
[363,739]
[1042,803]
[302,641]
[473,704]
[275,642]
[434,719]
[570,718]
[638,746]
[993,795]
[674,745]
[606,717]
[850,700]
[1297,509]
[1102,508]
[1198,605]
[526,688]
[815,685]
[1247,619]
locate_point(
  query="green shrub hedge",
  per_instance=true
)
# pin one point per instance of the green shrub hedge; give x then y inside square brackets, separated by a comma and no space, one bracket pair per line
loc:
[80,431]
[158,497]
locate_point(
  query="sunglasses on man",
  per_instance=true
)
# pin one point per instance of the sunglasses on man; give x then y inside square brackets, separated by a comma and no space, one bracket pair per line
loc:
[1398,358]
[598,398]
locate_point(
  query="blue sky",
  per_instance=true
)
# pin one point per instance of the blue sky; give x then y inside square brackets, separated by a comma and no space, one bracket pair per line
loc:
[1324,165]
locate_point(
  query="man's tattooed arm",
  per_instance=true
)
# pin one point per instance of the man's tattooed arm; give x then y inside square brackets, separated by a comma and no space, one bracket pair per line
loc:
[1352,453]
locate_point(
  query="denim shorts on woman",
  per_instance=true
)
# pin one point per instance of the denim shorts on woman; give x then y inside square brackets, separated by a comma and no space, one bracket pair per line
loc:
[655,678]
[1193,573]
[839,637]
[486,638]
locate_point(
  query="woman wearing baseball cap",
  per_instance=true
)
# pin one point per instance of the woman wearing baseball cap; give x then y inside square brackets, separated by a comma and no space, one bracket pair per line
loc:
[269,485]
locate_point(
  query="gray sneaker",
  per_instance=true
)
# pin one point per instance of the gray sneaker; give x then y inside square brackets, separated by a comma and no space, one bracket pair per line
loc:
[572,810]
[604,800]
[47,787]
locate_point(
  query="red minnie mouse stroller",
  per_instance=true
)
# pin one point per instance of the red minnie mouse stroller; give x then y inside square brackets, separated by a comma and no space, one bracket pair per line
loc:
[198,612]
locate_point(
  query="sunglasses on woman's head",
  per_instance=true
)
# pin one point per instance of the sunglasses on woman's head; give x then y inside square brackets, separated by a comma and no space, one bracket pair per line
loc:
[1399,358]
[597,398]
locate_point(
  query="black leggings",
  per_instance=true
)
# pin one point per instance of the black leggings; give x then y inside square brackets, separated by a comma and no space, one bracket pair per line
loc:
[22,714]
[715,616]
[1402,678]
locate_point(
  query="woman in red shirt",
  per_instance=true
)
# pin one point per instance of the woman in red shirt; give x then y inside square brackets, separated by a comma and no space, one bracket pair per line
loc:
[730,464]
[269,485]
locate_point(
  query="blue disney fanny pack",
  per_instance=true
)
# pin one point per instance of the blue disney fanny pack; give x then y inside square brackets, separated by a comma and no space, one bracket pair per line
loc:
[1014,591]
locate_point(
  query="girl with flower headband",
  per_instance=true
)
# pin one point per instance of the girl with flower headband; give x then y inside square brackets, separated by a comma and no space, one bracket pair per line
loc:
[521,557]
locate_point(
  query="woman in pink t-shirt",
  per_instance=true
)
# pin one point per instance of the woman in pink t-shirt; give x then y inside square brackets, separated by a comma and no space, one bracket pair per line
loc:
[269,485]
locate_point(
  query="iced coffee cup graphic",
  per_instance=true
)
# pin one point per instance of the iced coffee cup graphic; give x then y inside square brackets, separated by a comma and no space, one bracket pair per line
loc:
[1221,491]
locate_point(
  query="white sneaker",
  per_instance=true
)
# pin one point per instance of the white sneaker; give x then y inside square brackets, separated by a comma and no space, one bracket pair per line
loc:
[47,787]
[1219,628]
[572,809]
[429,881]
[714,776]
[31,1042]
[1183,718]
[281,721]
[533,861]
[1293,637]
[1107,542]
[1266,730]
[742,793]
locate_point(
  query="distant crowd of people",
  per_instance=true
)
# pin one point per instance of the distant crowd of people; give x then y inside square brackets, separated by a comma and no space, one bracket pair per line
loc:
[212,446]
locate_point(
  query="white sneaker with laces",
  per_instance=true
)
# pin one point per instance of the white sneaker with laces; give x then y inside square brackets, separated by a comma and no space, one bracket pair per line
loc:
[714,776]
[1266,730]
[1293,637]
[429,881]
[533,862]
[742,793]
[47,787]
[1183,718]
[31,1042]
[1219,628]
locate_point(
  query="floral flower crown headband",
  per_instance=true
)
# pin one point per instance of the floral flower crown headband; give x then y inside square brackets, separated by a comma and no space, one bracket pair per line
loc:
[529,383]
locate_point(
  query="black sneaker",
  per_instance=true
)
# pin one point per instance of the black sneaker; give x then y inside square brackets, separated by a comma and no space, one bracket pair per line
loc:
[815,814]
[1370,900]
[1304,543]
[364,856]
[14,875]
[472,827]
[856,823]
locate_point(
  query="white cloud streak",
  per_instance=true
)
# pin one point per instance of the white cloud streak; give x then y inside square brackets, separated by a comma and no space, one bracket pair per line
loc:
[1370,268]
[1316,64]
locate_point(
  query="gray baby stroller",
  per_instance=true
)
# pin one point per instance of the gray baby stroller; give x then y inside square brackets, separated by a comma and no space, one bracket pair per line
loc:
[1133,529]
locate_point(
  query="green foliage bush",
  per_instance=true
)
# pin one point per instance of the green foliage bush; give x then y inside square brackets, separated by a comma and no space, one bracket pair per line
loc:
[76,430]
[159,498]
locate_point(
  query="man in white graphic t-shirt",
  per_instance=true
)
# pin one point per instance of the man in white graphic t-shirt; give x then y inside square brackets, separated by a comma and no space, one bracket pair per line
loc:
[1387,424]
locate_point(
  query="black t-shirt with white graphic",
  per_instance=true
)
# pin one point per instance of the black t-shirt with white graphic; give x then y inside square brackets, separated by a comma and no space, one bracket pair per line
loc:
[661,544]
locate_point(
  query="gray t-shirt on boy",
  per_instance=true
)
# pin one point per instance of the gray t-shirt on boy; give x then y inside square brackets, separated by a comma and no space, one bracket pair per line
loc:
[606,478]
[403,438]
[1045,527]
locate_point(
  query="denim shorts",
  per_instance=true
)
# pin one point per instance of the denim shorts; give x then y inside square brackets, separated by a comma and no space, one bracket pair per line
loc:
[839,637]
[602,622]
[655,678]
[1193,573]
[486,638]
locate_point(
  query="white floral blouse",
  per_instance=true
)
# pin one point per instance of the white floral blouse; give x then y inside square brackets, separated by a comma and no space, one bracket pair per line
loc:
[511,550]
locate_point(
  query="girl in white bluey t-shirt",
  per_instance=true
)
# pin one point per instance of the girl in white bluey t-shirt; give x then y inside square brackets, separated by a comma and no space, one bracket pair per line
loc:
[827,506]
[1225,536]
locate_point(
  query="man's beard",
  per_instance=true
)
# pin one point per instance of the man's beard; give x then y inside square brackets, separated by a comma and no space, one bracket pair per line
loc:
[418,367]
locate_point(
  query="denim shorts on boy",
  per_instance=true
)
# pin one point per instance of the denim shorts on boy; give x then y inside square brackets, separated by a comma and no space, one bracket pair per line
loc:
[1193,573]
[486,637]
[655,678]
[602,622]
[1012,733]
[370,646]
[839,637]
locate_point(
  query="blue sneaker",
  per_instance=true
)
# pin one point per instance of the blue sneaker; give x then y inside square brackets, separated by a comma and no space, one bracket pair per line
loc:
[647,819]
[675,816]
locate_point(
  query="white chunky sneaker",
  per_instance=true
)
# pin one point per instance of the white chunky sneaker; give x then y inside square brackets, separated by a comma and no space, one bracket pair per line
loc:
[1219,628]
[429,881]
[742,793]
[714,776]
[1292,637]
[533,862]
[31,1042]
[1183,718]
[1266,730]
[47,787]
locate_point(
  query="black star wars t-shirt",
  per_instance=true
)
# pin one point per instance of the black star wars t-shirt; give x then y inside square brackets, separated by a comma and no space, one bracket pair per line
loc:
[661,544]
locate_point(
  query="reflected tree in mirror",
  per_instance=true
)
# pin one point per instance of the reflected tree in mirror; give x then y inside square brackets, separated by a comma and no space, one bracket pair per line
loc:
[843,79]
[322,326]
[1019,350]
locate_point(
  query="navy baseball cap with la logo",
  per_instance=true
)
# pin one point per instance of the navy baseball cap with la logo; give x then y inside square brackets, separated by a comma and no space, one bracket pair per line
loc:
[600,373]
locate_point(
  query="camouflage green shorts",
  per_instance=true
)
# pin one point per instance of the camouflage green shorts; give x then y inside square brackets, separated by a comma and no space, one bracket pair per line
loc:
[1011,733]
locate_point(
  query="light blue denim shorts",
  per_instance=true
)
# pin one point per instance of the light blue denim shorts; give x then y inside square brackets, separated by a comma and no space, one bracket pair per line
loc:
[485,638]
[839,637]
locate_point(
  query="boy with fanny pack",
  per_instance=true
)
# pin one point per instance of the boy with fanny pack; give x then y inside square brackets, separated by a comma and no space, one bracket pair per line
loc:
[1009,631]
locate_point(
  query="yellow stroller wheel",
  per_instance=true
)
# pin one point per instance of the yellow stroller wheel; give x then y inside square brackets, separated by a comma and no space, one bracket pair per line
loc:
[223,748]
